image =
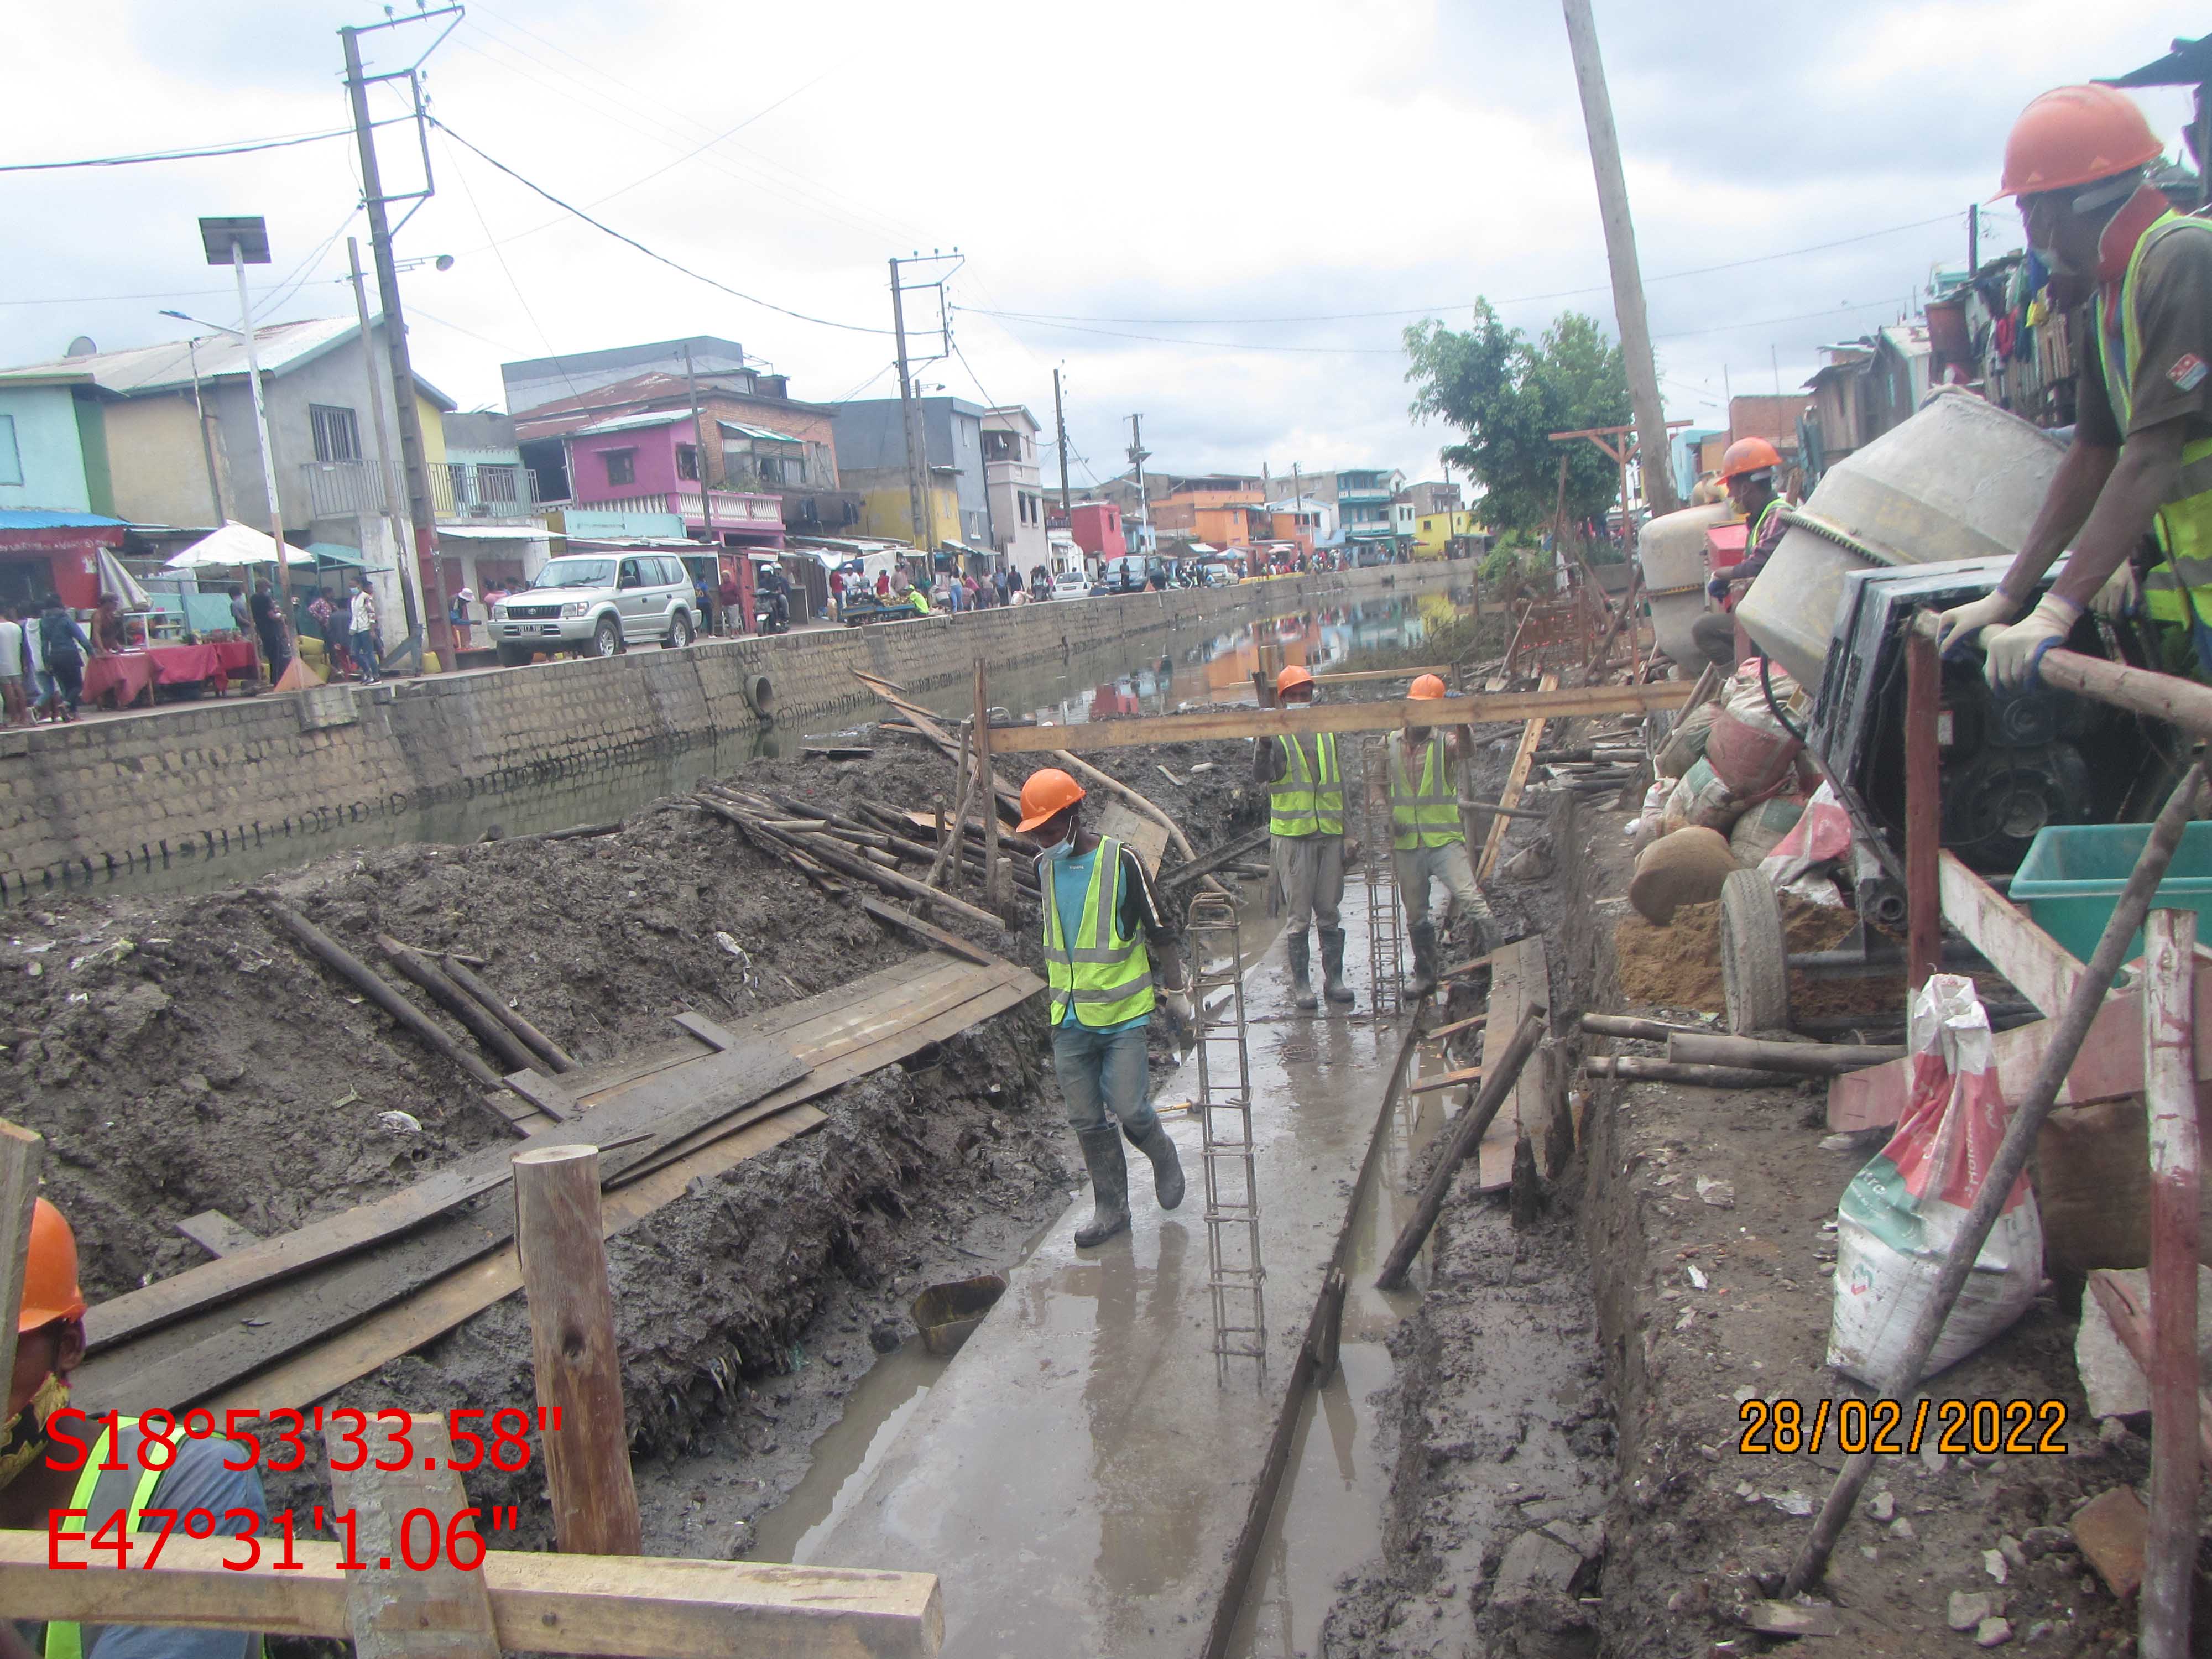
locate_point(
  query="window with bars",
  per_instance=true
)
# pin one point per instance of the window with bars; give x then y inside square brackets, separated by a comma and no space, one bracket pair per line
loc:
[622,465]
[686,461]
[338,434]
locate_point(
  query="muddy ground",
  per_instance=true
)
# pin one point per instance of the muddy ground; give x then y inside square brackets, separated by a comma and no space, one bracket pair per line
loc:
[182,1055]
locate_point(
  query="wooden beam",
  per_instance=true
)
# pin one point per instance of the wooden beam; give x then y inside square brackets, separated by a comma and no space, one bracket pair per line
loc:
[547,1050]
[575,1364]
[648,1607]
[1442,672]
[1516,780]
[21,1155]
[1803,1059]
[1924,813]
[216,1233]
[929,933]
[1429,1085]
[2039,967]
[394,1609]
[1215,724]
[994,898]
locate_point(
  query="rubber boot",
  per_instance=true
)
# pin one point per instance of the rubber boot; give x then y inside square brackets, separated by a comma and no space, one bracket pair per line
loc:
[1302,993]
[1156,1143]
[1424,936]
[1332,965]
[1109,1186]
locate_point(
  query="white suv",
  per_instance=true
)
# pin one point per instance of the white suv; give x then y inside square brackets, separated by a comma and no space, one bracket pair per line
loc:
[597,603]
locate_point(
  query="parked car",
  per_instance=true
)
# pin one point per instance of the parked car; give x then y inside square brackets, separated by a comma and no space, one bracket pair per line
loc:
[1070,585]
[1130,574]
[598,604]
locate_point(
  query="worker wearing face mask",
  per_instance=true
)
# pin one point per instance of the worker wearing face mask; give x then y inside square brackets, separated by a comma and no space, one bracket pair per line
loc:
[1099,910]
[1305,814]
[41,1429]
[2139,467]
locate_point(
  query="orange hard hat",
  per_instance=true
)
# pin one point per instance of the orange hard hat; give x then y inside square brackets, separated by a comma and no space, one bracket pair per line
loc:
[1048,792]
[1429,685]
[50,1289]
[1292,678]
[2075,135]
[1748,455]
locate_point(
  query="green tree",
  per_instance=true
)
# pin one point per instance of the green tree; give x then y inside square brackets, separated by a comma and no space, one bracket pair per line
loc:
[1507,394]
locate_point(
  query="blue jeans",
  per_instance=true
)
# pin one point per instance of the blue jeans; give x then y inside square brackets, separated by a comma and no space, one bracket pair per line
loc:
[1101,1071]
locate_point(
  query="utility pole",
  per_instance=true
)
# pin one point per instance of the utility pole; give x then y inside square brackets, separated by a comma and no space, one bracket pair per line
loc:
[421,510]
[1620,254]
[1973,240]
[1137,455]
[706,499]
[226,242]
[410,570]
[1060,419]
[914,457]
[207,442]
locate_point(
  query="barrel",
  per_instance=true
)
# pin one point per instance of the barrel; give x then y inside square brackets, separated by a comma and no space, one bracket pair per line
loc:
[1961,479]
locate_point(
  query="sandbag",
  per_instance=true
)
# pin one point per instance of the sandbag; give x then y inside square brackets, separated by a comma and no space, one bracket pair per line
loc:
[1760,829]
[1685,747]
[1901,1212]
[1701,800]
[1686,868]
[2092,1189]
[1749,748]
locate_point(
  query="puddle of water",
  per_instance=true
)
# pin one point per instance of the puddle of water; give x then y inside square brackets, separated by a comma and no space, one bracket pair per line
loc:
[846,1455]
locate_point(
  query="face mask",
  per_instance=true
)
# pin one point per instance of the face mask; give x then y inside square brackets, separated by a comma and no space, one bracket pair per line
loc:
[1062,849]
[23,1438]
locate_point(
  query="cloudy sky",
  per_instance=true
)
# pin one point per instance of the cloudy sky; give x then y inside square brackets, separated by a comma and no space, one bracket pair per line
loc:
[1219,214]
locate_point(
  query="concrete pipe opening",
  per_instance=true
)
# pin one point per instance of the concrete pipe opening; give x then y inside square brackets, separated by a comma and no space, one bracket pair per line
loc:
[761,693]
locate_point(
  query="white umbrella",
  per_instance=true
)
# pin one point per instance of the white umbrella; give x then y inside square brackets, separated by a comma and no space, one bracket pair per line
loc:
[234,544]
[114,578]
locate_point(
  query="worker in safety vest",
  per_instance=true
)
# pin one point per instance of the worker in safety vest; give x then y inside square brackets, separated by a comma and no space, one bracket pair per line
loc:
[1305,815]
[2137,481]
[42,1430]
[1099,909]
[1428,841]
[1747,471]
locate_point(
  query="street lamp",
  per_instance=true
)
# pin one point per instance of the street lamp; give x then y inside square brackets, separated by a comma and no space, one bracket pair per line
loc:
[239,242]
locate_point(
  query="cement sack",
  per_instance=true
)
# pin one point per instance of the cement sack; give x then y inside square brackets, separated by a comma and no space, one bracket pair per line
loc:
[1686,868]
[1685,747]
[1702,801]
[2092,1188]
[1802,859]
[1748,748]
[1901,1214]
[1644,828]
[1760,830]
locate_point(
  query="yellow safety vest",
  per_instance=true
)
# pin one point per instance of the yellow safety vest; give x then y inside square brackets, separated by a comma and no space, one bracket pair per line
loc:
[1754,528]
[1307,801]
[1107,977]
[1427,815]
[65,1639]
[2184,524]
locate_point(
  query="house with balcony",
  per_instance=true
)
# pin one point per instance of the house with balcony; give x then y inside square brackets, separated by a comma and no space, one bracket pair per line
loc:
[1014,485]
[651,463]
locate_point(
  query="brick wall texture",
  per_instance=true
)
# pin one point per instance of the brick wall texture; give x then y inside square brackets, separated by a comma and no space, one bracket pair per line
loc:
[96,799]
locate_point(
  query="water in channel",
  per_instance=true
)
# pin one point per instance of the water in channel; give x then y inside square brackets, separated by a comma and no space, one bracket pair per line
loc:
[1149,674]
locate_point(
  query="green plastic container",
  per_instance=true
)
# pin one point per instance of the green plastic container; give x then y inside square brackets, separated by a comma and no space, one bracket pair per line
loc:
[2073,874]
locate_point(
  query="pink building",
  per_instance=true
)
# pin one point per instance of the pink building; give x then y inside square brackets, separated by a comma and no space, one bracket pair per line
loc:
[649,463]
[1097,527]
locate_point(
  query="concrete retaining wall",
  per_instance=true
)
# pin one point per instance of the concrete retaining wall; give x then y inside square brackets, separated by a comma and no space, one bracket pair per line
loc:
[96,799]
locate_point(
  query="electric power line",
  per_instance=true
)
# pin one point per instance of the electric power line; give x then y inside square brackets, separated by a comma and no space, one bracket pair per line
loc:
[200,153]
[662,258]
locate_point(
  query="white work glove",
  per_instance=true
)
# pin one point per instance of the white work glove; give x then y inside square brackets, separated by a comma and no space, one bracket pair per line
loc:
[2013,655]
[1179,1011]
[1964,624]
[2121,595]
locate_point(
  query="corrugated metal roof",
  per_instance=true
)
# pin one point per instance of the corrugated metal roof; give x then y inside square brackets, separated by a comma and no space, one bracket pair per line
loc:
[632,423]
[32,518]
[168,365]
[768,434]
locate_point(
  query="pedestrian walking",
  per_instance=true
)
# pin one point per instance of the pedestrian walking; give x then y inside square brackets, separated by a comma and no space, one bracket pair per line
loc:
[329,627]
[361,624]
[1101,920]
[1428,838]
[732,620]
[62,647]
[1305,792]
[15,697]
[269,625]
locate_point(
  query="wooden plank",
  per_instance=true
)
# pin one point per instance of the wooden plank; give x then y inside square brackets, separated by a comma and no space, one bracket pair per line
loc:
[1442,672]
[649,1607]
[2041,969]
[1473,1023]
[1516,780]
[1146,837]
[2108,1067]
[22,1154]
[2170,1095]
[544,1093]
[216,1233]
[1448,1080]
[1519,981]
[437,1308]
[394,1609]
[992,898]
[949,943]
[1222,724]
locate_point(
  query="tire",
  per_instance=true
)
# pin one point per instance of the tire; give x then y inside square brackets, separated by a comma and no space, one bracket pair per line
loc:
[679,631]
[515,656]
[1754,956]
[606,638]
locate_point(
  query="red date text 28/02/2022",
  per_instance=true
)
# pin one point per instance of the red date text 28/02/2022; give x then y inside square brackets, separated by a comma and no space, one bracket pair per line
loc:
[1983,1427]
[425,1539]
[478,1435]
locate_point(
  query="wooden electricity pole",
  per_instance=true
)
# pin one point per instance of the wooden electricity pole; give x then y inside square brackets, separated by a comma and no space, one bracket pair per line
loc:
[1620,254]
